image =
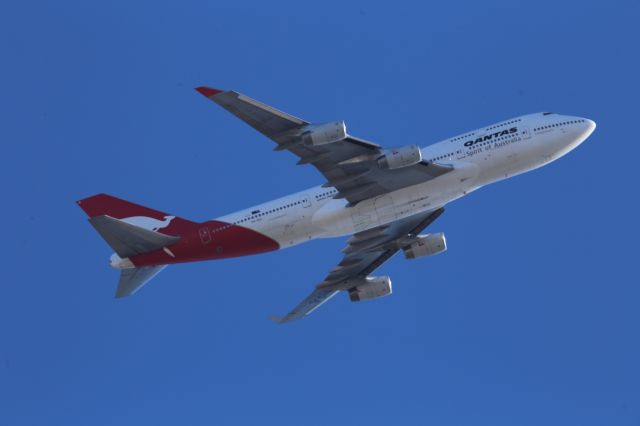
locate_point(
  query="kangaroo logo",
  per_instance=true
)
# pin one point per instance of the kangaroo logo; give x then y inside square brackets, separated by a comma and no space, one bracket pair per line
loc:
[149,222]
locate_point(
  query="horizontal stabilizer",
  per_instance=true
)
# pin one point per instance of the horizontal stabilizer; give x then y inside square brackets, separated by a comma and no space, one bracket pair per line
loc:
[129,240]
[131,280]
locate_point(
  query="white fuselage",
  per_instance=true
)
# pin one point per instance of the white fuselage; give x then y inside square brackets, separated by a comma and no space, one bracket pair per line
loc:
[480,157]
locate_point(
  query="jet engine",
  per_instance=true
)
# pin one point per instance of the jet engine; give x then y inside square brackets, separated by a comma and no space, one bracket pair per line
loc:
[397,158]
[426,245]
[322,134]
[372,288]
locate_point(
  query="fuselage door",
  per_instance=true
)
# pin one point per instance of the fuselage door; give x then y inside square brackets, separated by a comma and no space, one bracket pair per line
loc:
[205,236]
[525,133]
[461,152]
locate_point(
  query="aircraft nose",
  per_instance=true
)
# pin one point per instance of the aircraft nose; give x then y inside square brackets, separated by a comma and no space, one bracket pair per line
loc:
[584,130]
[590,126]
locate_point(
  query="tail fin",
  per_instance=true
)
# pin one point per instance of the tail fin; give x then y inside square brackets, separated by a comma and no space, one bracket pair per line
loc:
[103,204]
[131,229]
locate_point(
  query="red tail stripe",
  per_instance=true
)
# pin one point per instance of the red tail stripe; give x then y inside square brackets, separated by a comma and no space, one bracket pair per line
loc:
[101,204]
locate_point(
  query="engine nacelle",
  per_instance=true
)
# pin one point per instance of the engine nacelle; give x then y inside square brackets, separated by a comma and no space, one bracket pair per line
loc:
[397,158]
[322,134]
[372,288]
[426,245]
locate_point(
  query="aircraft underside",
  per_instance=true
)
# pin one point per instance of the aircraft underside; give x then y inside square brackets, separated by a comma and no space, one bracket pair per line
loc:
[383,198]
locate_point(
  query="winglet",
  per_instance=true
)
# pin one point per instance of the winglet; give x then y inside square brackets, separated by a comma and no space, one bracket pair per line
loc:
[208,91]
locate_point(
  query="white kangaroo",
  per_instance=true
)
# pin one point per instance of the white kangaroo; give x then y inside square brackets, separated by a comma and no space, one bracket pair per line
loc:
[148,222]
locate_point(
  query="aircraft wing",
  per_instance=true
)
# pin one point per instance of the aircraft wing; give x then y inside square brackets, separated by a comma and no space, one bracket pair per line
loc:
[348,164]
[364,253]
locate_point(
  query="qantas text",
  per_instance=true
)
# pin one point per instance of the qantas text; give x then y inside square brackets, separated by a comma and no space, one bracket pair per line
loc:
[491,136]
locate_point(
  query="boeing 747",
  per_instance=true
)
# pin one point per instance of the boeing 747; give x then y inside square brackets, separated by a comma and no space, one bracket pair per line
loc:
[383,197]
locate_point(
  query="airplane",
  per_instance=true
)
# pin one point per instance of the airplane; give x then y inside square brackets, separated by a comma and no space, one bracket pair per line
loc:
[384,198]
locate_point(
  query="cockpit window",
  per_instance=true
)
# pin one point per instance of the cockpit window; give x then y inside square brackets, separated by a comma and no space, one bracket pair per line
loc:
[547,113]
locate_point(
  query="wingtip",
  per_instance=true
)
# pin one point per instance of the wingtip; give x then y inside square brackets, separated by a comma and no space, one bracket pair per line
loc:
[276,319]
[208,91]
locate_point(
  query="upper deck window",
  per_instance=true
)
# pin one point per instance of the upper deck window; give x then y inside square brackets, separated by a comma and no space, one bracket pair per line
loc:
[547,113]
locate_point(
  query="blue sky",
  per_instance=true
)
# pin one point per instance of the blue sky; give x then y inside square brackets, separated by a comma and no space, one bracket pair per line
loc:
[530,318]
